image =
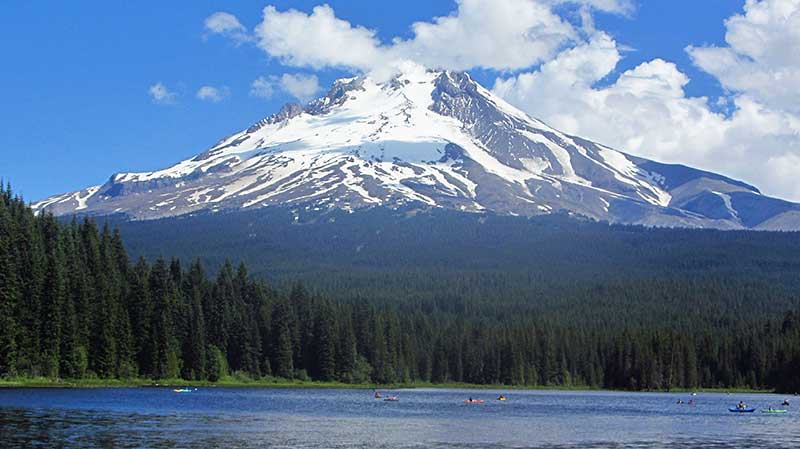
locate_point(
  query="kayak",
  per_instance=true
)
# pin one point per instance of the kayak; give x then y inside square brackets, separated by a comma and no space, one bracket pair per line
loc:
[501,399]
[391,398]
[473,401]
[182,390]
[741,410]
[774,410]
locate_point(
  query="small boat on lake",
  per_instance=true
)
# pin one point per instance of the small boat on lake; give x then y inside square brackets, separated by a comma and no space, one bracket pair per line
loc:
[182,390]
[774,410]
[741,410]
[391,399]
[473,401]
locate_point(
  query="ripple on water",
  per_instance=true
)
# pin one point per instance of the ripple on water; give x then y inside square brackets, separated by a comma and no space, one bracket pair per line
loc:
[291,418]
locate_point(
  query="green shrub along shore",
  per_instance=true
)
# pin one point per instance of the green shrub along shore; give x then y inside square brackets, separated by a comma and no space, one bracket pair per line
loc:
[73,306]
[274,382]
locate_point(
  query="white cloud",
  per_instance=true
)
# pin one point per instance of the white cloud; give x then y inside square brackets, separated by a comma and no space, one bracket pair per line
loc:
[317,40]
[213,94]
[301,86]
[160,94]
[262,88]
[647,112]
[507,35]
[228,25]
[611,6]
[500,35]
[762,59]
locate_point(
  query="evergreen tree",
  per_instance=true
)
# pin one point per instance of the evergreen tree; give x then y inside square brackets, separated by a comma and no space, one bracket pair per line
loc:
[141,307]
[54,293]
[346,351]
[282,348]
[194,347]
[325,344]
[163,347]
[9,289]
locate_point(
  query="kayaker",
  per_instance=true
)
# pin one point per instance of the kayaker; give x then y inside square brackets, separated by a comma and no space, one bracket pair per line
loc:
[785,402]
[741,405]
[377,395]
[501,398]
[680,401]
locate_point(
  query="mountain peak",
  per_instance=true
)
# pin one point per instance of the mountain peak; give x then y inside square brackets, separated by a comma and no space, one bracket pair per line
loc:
[433,138]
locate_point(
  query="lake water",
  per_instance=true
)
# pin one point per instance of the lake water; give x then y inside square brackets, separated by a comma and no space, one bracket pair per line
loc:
[422,418]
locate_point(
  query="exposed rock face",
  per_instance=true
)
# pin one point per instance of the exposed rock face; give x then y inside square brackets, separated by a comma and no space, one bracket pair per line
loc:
[434,138]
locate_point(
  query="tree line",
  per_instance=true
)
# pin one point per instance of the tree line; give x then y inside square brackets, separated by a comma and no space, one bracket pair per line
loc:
[73,305]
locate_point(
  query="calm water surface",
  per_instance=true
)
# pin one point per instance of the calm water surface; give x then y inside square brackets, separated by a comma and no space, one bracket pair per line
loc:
[290,418]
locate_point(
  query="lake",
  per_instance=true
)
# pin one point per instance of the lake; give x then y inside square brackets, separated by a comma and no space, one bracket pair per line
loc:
[421,418]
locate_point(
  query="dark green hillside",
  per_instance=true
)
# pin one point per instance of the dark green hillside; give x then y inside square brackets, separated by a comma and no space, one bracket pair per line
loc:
[439,244]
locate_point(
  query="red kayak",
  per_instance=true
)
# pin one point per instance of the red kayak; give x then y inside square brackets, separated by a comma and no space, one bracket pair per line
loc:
[473,401]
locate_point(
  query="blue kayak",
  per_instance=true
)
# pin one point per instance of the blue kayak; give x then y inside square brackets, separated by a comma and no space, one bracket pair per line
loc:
[741,410]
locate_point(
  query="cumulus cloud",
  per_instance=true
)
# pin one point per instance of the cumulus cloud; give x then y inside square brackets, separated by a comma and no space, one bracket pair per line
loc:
[160,94]
[213,94]
[497,35]
[317,40]
[507,35]
[228,25]
[303,87]
[762,58]
[611,6]
[647,112]
[262,87]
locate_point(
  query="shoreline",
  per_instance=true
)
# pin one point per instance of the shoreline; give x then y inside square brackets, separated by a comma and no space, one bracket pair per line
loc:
[281,383]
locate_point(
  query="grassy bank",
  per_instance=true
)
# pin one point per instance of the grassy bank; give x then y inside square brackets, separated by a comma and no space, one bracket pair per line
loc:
[43,382]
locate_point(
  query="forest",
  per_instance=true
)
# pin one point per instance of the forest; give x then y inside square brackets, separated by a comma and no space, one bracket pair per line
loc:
[75,305]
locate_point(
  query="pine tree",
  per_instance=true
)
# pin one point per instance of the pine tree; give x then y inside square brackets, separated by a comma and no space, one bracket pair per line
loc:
[282,351]
[346,352]
[325,344]
[194,346]
[9,290]
[30,273]
[103,354]
[74,343]
[163,347]
[265,331]
[218,308]
[54,294]
[302,327]
[140,306]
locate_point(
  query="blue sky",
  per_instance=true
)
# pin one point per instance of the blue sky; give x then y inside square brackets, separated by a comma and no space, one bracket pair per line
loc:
[76,108]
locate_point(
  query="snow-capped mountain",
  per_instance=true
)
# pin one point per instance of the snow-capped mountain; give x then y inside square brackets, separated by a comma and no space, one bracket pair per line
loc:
[436,139]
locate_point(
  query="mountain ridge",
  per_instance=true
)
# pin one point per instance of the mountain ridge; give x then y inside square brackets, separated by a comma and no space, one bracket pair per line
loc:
[433,138]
